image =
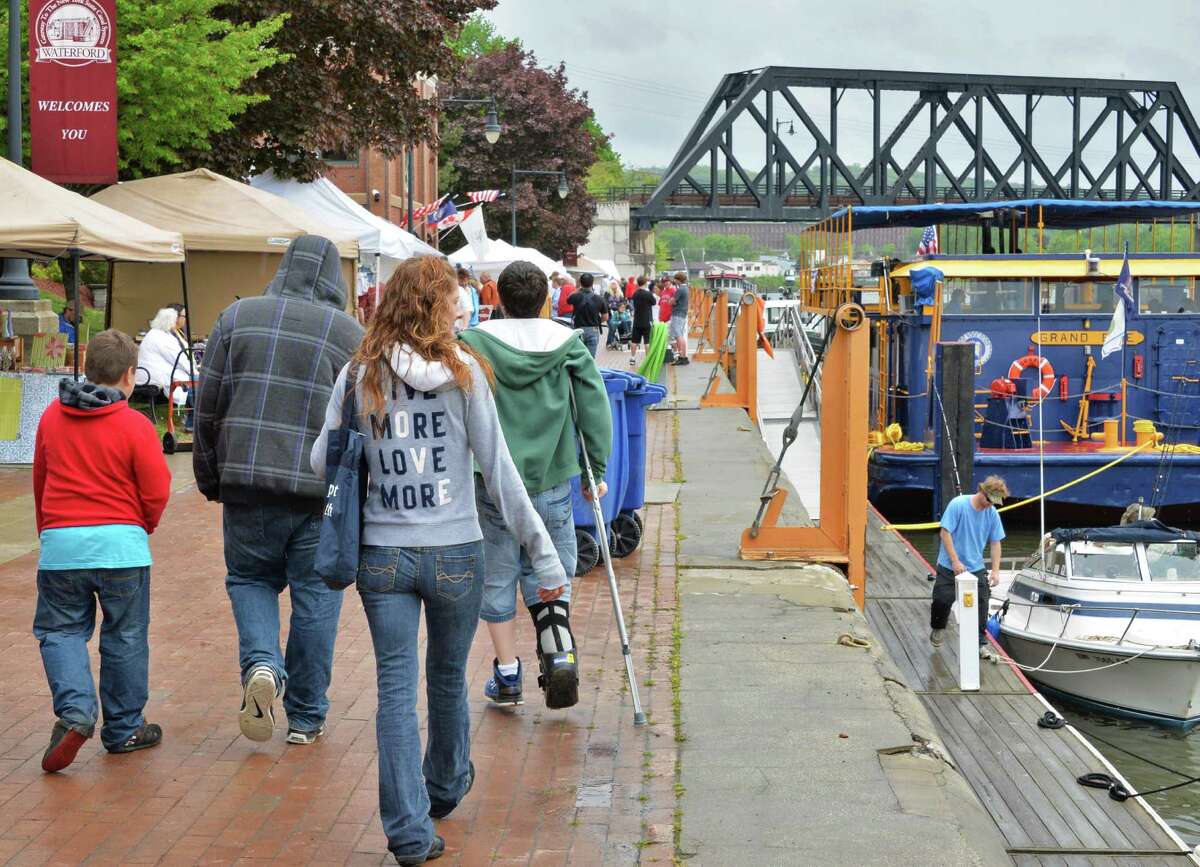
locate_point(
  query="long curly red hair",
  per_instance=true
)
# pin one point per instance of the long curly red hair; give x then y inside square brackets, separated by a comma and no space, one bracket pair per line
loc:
[418,309]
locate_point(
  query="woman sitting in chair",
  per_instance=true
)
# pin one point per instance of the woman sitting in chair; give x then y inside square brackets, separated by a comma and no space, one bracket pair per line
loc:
[164,357]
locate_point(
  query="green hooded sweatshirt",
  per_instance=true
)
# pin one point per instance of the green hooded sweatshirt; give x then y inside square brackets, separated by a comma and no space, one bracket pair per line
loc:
[535,362]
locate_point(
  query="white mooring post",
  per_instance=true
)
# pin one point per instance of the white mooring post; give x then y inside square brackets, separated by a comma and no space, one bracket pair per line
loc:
[966,595]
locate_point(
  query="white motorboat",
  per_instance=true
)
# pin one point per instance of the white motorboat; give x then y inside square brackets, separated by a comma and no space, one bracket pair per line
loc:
[1110,616]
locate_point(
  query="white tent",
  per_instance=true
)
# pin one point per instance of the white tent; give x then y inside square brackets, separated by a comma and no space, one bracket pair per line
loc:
[500,254]
[599,267]
[376,236]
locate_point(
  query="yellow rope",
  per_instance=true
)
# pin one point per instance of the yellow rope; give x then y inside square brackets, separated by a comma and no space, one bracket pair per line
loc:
[934,525]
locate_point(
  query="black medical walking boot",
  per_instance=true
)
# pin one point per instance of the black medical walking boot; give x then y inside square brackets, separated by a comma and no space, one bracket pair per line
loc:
[558,661]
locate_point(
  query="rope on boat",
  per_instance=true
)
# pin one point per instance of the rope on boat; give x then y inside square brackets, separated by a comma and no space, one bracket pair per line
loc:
[935,525]
[1054,646]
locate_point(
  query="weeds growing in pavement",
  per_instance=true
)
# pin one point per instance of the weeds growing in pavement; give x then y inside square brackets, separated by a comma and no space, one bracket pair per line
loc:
[676,661]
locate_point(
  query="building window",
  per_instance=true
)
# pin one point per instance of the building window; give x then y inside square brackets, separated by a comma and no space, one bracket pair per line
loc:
[1168,295]
[336,157]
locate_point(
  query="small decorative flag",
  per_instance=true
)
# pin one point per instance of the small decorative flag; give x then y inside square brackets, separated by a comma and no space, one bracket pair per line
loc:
[446,209]
[1115,338]
[484,195]
[929,242]
[454,218]
[425,210]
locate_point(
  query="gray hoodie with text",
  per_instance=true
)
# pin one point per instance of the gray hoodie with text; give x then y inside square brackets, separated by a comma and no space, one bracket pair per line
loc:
[419,451]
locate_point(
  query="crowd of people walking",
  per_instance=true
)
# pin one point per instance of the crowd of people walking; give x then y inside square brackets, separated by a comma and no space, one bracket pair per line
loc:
[469,432]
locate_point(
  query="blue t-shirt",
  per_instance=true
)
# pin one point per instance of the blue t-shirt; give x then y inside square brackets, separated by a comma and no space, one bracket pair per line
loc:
[970,530]
[103,546]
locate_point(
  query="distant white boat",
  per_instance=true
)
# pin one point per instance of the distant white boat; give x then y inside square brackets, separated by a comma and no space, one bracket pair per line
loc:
[1111,617]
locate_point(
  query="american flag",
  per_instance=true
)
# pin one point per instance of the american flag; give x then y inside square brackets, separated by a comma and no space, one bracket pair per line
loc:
[454,219]
[929,242]
[484,195]
[425,210]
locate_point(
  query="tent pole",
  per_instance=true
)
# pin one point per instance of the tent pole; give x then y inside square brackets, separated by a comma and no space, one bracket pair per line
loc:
[73,285]
[112,265]
[378,277]
[187,323]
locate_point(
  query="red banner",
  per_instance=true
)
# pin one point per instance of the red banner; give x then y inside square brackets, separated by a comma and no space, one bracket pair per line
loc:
[73,90]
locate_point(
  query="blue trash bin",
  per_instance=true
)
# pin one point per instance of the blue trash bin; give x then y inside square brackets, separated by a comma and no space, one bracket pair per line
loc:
[616,475]
[637,400]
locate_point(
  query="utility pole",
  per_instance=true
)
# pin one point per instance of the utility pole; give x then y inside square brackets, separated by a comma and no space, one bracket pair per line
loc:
[15,283]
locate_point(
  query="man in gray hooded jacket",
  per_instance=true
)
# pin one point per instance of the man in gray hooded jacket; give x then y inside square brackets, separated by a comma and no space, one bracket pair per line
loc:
[268,371]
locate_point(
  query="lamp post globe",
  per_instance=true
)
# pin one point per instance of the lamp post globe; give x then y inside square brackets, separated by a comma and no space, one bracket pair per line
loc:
[491,127]
[563,189]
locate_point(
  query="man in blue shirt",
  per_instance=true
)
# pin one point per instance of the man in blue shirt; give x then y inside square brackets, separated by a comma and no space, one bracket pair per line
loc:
[969,522]
[67,321]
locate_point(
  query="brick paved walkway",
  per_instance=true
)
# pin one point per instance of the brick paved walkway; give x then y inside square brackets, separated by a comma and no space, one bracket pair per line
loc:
[566,787]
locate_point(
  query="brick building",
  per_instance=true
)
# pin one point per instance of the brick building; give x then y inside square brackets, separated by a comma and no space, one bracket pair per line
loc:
[380,184]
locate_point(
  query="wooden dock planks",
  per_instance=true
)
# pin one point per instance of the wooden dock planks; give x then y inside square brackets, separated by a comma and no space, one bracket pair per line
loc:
[1023,775]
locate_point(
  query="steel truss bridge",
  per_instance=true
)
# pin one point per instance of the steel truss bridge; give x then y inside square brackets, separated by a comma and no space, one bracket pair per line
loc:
[1121,140]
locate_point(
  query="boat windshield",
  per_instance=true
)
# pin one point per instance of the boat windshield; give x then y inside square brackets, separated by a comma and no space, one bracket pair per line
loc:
[1109,561]
[1173,561]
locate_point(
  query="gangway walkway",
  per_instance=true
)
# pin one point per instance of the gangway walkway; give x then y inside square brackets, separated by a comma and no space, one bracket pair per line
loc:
[779,387]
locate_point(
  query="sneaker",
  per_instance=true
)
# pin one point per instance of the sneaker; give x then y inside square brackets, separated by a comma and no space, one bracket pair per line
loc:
[633,362]
[937,636]
[149,735]
[257,716]
[436,849]
[987,654]
[679,361]
[299,736]
[64,744]
[559,679]
[442,809]
[505,691]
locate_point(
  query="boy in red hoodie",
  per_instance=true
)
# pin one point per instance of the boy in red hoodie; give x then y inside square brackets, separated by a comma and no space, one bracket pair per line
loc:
[100,484]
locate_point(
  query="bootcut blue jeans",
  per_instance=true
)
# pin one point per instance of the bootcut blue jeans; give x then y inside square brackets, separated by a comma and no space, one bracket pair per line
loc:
[269,548]
[63,624]
[394,583]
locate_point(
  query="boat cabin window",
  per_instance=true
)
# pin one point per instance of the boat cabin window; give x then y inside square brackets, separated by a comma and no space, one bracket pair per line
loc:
[1170,295]
[1080,297]
[1106,560]
[972,296]
[1173,561]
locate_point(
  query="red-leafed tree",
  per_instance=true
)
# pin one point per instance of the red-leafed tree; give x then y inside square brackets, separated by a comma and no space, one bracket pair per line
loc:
[545,127]
[349,83]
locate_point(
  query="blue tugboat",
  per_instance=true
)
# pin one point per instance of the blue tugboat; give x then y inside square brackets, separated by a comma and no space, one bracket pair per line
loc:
[1047,400]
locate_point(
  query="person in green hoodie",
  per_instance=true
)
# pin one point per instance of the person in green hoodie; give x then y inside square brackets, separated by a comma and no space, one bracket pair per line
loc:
[538,364]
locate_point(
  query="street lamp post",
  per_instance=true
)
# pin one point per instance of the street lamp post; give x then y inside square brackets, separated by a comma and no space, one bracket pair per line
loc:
[563,189]
[15,283]
[491,132]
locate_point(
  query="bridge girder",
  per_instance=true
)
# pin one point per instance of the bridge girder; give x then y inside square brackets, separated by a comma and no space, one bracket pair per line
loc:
[1151,116]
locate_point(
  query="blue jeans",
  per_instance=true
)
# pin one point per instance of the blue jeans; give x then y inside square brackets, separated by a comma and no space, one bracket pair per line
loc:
[591,339]
[507,564]
[63,624]
[393,583]
[269,548]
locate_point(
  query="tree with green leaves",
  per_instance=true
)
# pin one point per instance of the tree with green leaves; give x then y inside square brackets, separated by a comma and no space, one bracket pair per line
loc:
[184,74]
[354,81]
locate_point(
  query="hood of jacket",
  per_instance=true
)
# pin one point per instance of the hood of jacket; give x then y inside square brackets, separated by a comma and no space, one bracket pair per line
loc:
[87,398]
[522,351]
[311,270]
[419,372]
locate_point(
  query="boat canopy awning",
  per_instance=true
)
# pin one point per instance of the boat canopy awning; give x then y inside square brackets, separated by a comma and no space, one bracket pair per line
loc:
[1141,531]
[1056,213]
[1067,267]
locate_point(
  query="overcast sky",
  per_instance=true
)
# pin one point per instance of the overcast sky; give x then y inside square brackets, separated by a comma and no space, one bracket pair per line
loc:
[649,65]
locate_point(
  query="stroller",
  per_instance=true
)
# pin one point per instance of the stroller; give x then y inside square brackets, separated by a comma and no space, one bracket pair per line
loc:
[620,330]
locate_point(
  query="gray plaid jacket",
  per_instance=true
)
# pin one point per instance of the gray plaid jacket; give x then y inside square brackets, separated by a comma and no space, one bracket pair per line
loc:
[267,374]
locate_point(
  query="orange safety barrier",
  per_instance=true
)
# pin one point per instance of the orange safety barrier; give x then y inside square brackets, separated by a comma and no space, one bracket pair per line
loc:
[741,365]
[840,536]
[714,328]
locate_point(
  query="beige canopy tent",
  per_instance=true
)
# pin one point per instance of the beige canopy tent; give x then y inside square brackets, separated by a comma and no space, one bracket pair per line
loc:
[38,218]
[235,235]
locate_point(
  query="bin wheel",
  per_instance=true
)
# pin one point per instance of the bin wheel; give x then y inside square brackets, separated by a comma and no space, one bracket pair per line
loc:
[168,441]
[626,534]
[638,518]
[588,552]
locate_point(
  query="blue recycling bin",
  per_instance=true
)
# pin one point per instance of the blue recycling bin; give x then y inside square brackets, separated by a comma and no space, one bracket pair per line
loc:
[638,398]
[617,472]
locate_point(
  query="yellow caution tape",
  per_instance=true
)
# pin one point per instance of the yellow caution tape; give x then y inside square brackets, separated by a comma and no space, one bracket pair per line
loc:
[934,525]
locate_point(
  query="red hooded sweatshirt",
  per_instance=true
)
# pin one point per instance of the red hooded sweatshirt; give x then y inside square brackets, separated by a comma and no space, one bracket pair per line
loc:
[97,461]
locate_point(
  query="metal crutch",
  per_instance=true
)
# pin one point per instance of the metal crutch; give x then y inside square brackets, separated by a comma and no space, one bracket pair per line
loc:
[639,716]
